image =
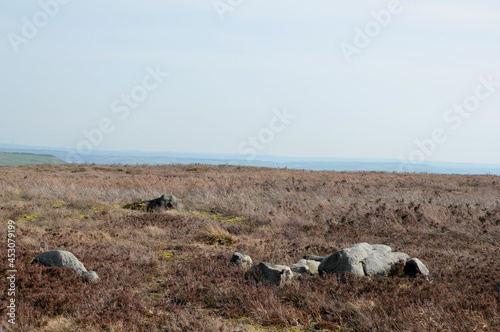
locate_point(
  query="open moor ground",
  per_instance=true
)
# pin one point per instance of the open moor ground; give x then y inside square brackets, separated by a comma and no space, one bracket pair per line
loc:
[167,271]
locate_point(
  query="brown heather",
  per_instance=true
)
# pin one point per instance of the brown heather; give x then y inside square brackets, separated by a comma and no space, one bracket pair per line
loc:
[167,271]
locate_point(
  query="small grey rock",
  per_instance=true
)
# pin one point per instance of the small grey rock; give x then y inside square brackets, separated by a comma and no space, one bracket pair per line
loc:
[414,267]
[91,277]
[497,288]
[240,259]
[305,266]
[267,272]
[300,267]
[313,266]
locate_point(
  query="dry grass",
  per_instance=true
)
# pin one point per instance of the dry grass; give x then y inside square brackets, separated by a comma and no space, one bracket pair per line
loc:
[167,271]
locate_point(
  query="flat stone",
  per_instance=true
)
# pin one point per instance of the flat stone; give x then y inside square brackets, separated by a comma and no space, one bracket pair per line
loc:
[314,258]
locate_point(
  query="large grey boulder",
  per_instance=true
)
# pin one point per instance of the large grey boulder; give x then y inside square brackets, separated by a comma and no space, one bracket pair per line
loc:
[305,266]
[241,260]
[62,258]
[168,202]
[381,260]
[270,273]
[346,260]
[414,267]
[362,259]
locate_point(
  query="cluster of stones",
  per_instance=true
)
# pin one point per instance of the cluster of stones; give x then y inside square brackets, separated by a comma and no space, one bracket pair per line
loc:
[362,259]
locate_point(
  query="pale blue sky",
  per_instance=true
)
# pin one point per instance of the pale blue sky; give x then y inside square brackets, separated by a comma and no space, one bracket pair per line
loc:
[227,76]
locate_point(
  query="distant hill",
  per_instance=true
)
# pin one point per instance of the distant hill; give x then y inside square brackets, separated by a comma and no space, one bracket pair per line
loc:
[23,158]
[106,157]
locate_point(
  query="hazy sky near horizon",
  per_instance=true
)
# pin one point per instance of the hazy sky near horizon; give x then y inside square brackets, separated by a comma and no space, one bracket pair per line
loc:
[420,84]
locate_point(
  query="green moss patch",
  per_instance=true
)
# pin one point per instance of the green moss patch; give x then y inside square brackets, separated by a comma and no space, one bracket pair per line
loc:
[29,217]
[136,206]
[216,217]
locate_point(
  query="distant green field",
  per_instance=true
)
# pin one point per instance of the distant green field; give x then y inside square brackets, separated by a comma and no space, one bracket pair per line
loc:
[18,159]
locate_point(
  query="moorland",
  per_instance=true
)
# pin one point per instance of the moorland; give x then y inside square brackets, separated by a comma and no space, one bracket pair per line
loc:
[168,270]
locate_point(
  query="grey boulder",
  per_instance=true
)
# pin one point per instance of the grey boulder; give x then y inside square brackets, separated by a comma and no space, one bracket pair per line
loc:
[62,258]
[241,260]
[168,202]
[414,267]
[305,266]
[270,273]
[362,259]
[382,259]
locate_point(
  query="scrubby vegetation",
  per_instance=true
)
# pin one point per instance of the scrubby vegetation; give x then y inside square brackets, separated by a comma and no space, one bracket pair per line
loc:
[167,271]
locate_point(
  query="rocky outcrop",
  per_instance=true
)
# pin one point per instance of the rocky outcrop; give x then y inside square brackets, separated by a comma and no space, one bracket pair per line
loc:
[62,258]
